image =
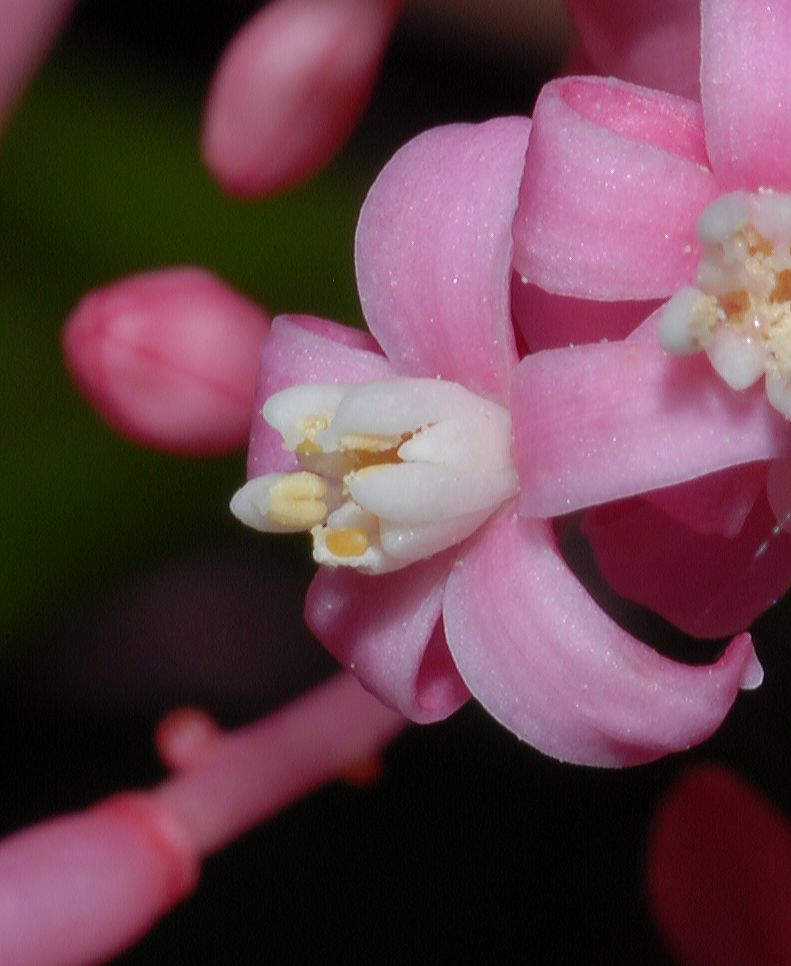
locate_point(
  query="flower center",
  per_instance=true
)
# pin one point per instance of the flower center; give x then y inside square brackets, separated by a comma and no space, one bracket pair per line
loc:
[392,471]
[740,310]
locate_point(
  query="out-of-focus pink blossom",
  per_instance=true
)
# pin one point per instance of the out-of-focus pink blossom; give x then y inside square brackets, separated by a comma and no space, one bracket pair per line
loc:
[719,873]
[28,30]
[81,888]
[654,44]
[168,359]
[434,582]
[289,89]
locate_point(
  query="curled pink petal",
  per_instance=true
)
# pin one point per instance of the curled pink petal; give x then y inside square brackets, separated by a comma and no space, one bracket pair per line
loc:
[433,253]
[719,872]
[28,31]
[615,178]
[80,888]
[649,43]
[290,88]
[169,359]
[386,630]
[709,585]
[304,349]
[631,419]
[546,662]
[746,92]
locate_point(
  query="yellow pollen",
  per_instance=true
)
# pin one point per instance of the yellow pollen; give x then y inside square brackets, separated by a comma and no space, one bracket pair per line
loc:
[308,448]
[351,542]
[368,443]
[298,500]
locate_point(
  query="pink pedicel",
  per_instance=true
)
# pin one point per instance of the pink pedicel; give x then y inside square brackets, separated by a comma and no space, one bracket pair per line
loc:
[81,888]
[718,872]
[167,359]
[289,89]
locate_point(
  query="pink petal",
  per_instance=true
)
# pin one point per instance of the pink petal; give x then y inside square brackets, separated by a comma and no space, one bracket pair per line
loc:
[29,29]
[746,91]
[290,88]
[549,321]
[719,873]
[434,249]
[597,423]
[707,585]
[303,349]
[80,888]
[386,630]
[168,359]
[716,504]
[649,43]
[615,178]
[545,661]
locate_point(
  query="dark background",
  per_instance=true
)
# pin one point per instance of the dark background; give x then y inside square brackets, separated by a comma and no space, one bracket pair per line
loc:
[127,590]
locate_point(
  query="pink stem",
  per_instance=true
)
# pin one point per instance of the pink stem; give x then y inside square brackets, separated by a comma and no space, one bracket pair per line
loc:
[248,776]
[80,888]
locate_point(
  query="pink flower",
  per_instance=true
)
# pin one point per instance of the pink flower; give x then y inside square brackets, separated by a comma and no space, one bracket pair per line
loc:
[617,177]
[392,453]
[168,359]
[719,872]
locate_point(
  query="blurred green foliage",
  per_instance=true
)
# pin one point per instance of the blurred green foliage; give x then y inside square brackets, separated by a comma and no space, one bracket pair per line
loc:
[100,177]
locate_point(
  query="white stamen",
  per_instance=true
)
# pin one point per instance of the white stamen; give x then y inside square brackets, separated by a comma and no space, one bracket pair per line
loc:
[408,468]
[740,310]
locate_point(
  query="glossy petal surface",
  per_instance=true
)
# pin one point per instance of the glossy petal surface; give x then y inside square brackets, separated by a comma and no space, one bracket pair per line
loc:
[746,91]
[546,662]
[387,630]
[602,422]
[433,254]
[615,178]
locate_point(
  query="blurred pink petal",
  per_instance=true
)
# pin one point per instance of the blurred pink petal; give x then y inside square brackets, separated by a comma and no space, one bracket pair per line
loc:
[184,736]
[719,872]
[632,419]
[169,359]
[707,585]
[29,29]
[387,630]
[304,349]
[649,43]
[546,662]
[290,88]
[718,503]
[81,888]
[615,177]
[433,253]
[746,93]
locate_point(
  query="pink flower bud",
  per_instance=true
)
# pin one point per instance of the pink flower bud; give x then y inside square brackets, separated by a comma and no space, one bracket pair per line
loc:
[169,359]
[290,88]
[28,30]
[82,887]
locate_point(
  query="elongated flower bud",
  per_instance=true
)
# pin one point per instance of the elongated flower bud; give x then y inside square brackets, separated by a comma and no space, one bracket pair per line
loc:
[169,359]
[290,88]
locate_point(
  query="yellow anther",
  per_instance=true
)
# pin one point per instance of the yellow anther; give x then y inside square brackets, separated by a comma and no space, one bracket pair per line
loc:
[298,500]
[308,448]
[368,443]
[351,542]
